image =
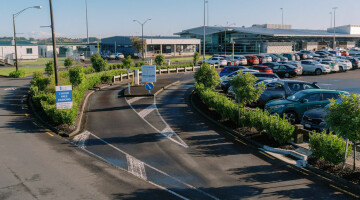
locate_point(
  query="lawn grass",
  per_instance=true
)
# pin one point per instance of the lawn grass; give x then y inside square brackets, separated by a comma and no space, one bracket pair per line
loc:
[41,62]
[183,59]
[28,70]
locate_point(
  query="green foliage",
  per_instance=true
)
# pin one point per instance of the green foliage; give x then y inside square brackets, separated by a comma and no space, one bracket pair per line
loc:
[328,147]
[40,81]
[127,62]
[68,62]
[160,60]
[245,89]
[138,43]
[89,70]
[106,77]
[196,58]
[17,74]
[207,76]
[77,75]
[98,63]
[344,117]
[139,64]
[49,69]
[279,128]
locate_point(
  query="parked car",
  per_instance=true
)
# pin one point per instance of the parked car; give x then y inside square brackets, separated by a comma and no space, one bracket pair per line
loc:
[217,60]
[262,68]
[342,65]
[297,64]
[354,51]
[334,67]
[119,56]
[294,106]
[355,63]
[229,60]
[269,59]
[111,56]
[289,56]
[344,53]
[280,89]
[230,69]
[262,59]
[297,57]
[285,70]
[252,60]
[225,80]
[303,56]
[274,58]
[335,53]
[312,66]
[282,58]
[82,57]
[242,60]
[345,62]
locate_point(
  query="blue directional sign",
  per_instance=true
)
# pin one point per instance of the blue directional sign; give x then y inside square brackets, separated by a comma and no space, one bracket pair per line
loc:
[64,97]
[149,86]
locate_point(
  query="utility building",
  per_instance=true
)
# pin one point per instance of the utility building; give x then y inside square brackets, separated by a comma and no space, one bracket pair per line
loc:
[25,51]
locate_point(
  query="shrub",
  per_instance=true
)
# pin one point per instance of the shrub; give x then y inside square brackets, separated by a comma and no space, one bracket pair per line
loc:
[328,147]
[49,69]
[196,58]
[139,64]
[89,70]
[77,75]
[106,77]
[17,74]
[69,62]
[207,76]
[127,62]
[160,60]
[98,63]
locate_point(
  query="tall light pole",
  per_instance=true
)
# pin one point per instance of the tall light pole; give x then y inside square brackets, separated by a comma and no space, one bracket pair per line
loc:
[330,19]
[204,32]
[334,8]
[87,25]
[226,29]
[142,35]
[282,16]
[54,44]
[15,15]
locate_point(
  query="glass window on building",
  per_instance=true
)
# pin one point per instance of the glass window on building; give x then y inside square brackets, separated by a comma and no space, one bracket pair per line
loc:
[29,51]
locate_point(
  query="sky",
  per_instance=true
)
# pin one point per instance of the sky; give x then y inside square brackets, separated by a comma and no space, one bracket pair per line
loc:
[115,17]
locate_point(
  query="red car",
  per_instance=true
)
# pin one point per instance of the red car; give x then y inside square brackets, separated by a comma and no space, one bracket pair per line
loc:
[265,69]
[344,53]
[252,60]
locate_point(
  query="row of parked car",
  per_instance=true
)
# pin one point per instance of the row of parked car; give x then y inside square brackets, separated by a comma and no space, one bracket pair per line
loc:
[299,101]
[112,56]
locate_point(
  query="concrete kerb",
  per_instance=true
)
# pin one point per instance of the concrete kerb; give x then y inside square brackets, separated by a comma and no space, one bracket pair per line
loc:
[331,178]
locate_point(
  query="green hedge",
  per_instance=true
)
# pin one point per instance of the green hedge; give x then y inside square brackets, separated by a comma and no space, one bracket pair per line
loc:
[279,128]
[328,147]
[17,74]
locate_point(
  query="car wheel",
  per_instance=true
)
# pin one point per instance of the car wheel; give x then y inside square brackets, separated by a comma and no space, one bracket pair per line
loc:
[341,69]
[291,117]
[287,75]
[318,72]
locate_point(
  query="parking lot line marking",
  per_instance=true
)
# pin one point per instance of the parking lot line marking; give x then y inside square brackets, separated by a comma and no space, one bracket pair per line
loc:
[265,154]
[136,167]
[80,140]
[237,139]
[297,170]
[49,134]
[344,191]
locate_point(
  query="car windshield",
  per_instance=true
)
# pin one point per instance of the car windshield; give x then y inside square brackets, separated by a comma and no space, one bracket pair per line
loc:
[297,96]
[316,62]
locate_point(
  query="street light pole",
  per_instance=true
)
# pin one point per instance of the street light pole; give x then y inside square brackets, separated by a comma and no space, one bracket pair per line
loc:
[54,44]
[204,32]
[87,26]
[330,19]
[15,15]
[226,29]
[282,16]
[142,36]
[334,8]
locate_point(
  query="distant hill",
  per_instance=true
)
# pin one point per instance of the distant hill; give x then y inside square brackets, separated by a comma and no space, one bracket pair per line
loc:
[49,40]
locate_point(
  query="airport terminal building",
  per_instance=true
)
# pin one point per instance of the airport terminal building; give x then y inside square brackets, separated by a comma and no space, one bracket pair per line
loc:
[271,38]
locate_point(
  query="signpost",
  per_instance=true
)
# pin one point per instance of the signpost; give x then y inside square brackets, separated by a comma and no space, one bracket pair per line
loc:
[232,63]
[64,97]
[149,87]
[148,73]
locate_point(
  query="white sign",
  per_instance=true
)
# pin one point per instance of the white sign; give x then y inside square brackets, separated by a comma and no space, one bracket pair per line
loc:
[148,73]
[64,97]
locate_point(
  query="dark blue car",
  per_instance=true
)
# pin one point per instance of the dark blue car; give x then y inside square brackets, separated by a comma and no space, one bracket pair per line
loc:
[230,69]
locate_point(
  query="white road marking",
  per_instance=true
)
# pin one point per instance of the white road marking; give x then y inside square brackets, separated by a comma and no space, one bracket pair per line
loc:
[80,140]
[153,168]
[10,89]
[176,139]
[147,111]
[132,100]
[136,167]
[168,131]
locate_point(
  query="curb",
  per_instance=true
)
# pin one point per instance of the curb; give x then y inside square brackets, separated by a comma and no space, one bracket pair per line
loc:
[156,93]
[330,177]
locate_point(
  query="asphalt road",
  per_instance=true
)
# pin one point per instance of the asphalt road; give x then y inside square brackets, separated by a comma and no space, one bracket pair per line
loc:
[165,143]
[37,165]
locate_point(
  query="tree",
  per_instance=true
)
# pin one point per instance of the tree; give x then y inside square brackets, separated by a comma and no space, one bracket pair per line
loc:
[69,62]
[98,63]
[245,89]
[138,45]
[160,60]
[49,69]
[196,58]
[208,76]
[128,62]
[344,118]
